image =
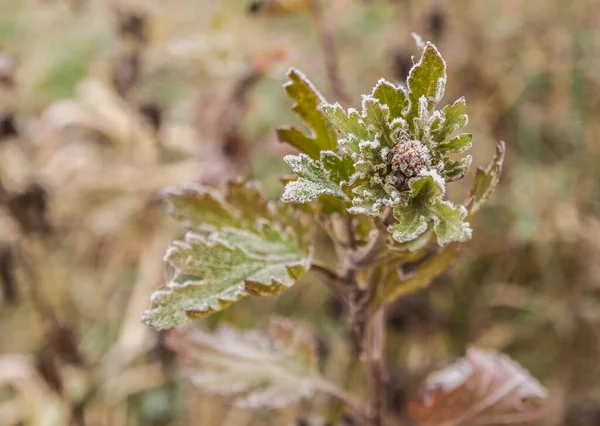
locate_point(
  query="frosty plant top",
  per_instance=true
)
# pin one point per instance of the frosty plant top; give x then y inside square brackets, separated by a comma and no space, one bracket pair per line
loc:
[393,153]
[377,180]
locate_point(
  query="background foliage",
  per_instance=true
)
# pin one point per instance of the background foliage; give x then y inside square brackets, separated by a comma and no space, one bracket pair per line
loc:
[102,104]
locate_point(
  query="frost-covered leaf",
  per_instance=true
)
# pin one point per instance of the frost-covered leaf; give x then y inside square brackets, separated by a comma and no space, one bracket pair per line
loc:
[396,285]
[308,99]
[257,370]
[392,96]
[241,245]
[456,169]
[481,389]
[457,144]
[453,117]
[486,180]
[207,209]
[425,207]
[348,123]
[317,177]
[427,79]
[377,117]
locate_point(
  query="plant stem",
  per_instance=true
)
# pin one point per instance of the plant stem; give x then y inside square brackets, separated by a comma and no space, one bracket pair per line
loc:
[334,282]
[369,327]
[377,366]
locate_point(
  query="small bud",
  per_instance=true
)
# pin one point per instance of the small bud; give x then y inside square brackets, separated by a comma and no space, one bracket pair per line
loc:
[410,157]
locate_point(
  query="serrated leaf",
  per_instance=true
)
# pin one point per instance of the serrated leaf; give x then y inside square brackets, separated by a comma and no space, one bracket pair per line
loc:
[457,144]
[247,251]
[206,209]
[395,285]
[456,169]
[481,389]
[316,177]
[454,117]
[346,123]
[257,370]
[427,79]
[377,116]
[308,100]
[392,96]
[486,180]
[425,206]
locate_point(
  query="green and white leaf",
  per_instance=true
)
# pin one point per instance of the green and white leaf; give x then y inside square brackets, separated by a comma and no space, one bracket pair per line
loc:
[238,248]
[392,96]
[206,209]
[458,144]
[317,177]
[308,99]
[256,370]
[454,170]
[453,118]
[425,207]
[427,79]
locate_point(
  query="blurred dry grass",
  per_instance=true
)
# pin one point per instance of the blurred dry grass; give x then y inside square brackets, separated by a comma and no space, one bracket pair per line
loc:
[104,103]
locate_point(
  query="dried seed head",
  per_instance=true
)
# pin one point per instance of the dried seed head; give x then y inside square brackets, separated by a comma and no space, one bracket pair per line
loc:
[410,157]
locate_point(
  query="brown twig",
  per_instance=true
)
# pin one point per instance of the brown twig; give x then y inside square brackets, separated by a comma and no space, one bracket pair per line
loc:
[337,285]
[377,367]
[368,327]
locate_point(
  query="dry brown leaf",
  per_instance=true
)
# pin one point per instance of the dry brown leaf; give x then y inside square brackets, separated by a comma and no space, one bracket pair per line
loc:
[257,370]
[482,388]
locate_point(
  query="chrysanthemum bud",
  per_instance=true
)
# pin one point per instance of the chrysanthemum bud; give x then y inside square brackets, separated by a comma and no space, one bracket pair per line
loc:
[410,157]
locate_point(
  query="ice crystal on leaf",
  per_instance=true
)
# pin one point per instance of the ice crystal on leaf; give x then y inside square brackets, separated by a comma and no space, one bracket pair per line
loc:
[393,153]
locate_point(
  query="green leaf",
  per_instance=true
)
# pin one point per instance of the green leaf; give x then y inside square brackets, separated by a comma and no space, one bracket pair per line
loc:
[425,206]
[377,117]
[454,117]
[394,97]
[207,209]
[317,177]
[426,79]
[395,285]
[246,251]
[486,180]
[457,144]
[256,370]
[347,124]
[308,100]
[456,169]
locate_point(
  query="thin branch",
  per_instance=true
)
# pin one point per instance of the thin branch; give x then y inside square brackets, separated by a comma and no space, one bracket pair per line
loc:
[334,282]
[366,255]
[377,367]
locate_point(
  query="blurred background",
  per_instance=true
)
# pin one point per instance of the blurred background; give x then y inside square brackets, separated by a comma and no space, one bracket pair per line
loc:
[103,103]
